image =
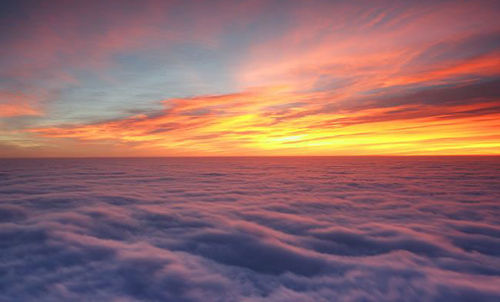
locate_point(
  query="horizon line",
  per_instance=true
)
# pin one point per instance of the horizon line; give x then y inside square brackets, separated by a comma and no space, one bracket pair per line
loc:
[250,156]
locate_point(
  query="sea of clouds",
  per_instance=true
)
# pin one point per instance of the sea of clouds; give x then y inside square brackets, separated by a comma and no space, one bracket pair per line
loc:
[250,229]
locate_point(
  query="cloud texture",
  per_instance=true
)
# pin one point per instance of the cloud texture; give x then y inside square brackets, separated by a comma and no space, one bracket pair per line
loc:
[160,78]
[250,229]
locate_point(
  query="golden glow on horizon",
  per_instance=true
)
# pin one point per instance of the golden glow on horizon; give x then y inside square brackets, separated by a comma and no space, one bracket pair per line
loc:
[343,79]
[238,133]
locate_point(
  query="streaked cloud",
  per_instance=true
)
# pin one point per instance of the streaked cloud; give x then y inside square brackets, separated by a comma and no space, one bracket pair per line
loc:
[319,78]
[16,104]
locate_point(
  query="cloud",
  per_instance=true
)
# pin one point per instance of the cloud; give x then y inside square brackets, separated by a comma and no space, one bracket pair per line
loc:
[324,79]
[10,110]
[16,104]
[249,229]
[329,79]
[257,120]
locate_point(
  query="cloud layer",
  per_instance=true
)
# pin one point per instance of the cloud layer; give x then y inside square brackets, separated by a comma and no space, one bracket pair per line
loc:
[250,229]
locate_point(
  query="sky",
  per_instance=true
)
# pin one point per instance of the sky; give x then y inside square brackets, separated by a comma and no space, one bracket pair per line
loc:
[239,78]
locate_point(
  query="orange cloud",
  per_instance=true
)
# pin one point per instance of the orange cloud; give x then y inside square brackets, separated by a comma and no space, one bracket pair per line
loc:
[16,104]
[10,110]
[261,122]
[375,48]
[340,79]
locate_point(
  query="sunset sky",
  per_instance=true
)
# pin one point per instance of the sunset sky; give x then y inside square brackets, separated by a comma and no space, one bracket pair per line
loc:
[231,78]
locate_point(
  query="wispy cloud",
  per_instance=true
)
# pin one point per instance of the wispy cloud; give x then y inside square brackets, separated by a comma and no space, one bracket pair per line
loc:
[296,78]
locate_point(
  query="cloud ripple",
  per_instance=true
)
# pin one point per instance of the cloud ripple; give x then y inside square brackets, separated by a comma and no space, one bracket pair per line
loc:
[250,229]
